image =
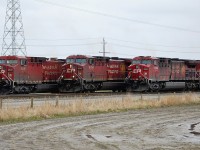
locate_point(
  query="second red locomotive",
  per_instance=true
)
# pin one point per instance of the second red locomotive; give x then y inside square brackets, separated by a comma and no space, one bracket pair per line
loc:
[89,73]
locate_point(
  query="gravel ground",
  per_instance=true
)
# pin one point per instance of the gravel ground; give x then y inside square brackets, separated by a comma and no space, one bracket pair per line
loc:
[163,128]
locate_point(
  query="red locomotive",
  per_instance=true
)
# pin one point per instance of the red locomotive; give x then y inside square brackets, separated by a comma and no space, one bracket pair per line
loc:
[90,73]
[150,73]
[25,74]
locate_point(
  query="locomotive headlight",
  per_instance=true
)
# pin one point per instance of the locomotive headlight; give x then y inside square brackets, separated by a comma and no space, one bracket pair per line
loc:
[137,67]
[73,77]
[0,67]
[2,71]
[70,66]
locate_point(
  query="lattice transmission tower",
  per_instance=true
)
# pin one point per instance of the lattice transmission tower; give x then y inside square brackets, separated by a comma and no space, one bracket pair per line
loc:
[13,37]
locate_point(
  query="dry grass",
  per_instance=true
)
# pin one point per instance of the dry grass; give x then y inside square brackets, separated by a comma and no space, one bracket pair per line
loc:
[79,107]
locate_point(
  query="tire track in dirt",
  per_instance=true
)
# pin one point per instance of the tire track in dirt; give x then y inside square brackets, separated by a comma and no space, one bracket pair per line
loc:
[163,128]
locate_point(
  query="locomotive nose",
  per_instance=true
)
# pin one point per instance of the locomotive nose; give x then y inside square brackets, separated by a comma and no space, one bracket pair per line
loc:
[138,72]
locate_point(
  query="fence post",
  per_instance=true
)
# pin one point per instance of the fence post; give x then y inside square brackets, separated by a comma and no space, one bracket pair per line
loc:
[57,101]
[159,96]
[31,102]
[1,103]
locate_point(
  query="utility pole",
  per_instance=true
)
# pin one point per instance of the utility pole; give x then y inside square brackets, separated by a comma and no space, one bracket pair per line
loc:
[104,48]
[13,38]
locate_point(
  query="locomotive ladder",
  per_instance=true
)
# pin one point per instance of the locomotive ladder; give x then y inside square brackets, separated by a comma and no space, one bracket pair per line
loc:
[80,78]
[11,82]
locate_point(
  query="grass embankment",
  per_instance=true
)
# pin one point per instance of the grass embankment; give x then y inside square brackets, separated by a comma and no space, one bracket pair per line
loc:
[81,107]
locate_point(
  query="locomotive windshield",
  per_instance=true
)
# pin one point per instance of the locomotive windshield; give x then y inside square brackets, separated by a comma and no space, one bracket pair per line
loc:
[142,62]
[81,61]
[11,62]
[146,61]
[70,60]
[2,61]
[136,62]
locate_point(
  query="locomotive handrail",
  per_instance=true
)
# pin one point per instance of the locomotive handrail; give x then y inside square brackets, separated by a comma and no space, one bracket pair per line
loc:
[144,76]
[78,76]
[9,79]
[60,76]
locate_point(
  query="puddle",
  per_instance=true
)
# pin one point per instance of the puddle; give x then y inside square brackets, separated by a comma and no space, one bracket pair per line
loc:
[108,136]
[195,133]
[91,137]
[192,128]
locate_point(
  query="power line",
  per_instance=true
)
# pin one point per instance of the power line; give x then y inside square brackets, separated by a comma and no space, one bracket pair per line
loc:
[118,17]
[78,39]
[60,39]
[146,49]
[160,45]
[64,45]
[110,38]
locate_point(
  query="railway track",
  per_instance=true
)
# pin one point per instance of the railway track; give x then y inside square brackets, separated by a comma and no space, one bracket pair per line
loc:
[84,95]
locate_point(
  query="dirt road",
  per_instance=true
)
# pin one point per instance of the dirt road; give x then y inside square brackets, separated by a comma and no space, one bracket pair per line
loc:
[163,128]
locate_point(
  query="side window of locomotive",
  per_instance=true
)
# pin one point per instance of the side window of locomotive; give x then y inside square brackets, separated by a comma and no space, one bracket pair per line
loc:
[23,62]
[91,61]
[155,62]
[12,62]
[2,61]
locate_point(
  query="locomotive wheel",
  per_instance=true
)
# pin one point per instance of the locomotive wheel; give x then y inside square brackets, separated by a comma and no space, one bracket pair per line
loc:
[22,89]
[90,87]
[154,86]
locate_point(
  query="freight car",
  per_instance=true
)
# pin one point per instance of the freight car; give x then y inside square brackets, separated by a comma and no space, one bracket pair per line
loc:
[151,73]
[26,74]
[91,73]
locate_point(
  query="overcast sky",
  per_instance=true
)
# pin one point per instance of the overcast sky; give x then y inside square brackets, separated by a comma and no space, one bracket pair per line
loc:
[162,28]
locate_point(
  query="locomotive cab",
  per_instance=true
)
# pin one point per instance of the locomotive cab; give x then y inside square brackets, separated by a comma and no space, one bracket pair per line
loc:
[73,68]
[10,67]
[141,73]
[76,73]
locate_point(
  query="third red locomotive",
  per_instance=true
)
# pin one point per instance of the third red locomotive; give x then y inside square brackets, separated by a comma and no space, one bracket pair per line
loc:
[152,73]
